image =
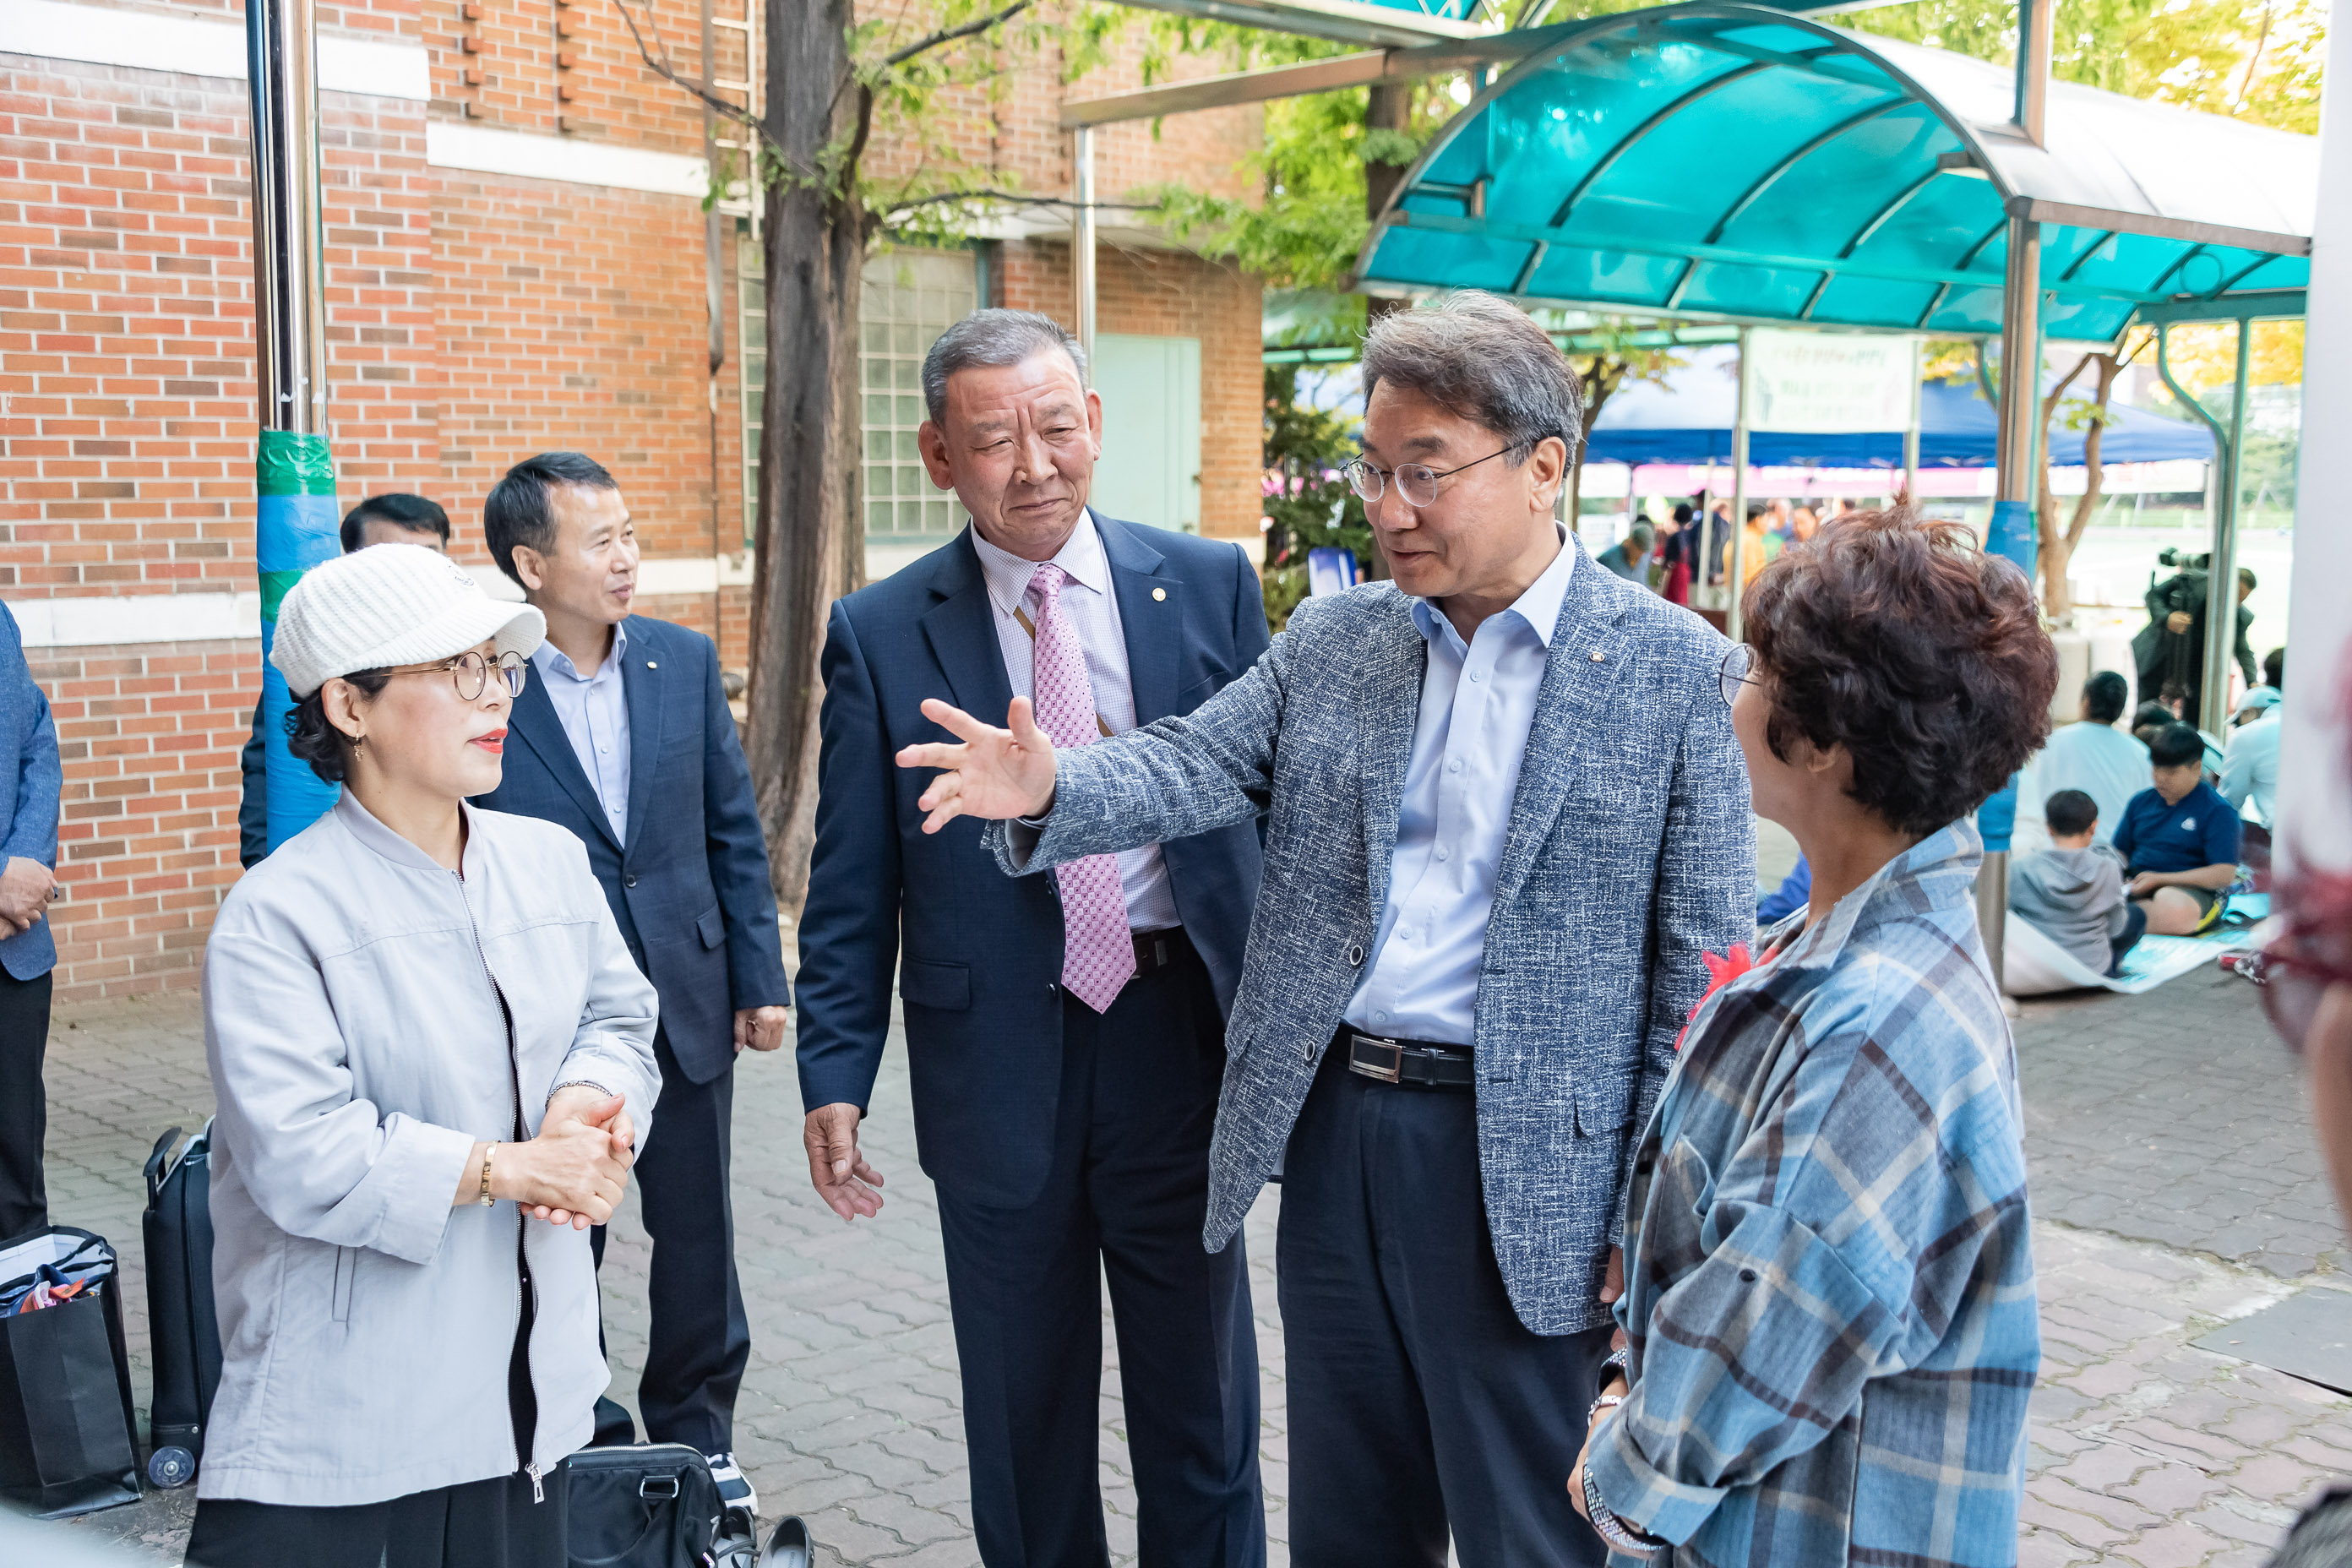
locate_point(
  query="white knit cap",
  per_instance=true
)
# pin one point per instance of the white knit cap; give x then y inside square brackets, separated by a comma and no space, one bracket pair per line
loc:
[385,605]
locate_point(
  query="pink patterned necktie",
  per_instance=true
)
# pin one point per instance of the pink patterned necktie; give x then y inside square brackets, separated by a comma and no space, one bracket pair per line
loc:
[1098,951]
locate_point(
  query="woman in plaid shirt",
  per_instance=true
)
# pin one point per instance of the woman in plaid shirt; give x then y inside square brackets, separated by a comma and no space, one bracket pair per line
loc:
[1829,1294]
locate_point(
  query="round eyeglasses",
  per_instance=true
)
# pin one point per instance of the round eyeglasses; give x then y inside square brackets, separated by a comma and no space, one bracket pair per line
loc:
[470,673]
[1737,661]
[1416,482]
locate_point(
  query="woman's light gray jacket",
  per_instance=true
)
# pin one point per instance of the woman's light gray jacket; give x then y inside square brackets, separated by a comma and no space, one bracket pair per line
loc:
[358,1050]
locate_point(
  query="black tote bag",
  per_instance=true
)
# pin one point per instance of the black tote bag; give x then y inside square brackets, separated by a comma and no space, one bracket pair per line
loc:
[66,1418]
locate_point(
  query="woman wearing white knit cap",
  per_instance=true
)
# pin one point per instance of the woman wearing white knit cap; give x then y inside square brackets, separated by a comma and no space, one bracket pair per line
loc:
[434,1059]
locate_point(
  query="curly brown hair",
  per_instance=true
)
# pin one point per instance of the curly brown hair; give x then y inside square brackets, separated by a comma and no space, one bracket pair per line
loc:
[1899,640]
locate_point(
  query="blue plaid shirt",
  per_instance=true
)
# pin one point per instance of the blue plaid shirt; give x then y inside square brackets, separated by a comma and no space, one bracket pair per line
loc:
[1830,1303]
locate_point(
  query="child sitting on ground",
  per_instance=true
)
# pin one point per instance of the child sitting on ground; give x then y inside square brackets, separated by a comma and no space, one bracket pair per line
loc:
[2178,840]
[2073,892]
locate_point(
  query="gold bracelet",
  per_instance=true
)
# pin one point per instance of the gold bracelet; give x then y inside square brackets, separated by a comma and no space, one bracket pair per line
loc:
[487,1150]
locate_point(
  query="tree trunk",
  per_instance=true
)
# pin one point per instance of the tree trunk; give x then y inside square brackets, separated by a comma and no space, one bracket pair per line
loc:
[1599,379]
[2059,552]
[810,432]
[1388,106]
[2053,551]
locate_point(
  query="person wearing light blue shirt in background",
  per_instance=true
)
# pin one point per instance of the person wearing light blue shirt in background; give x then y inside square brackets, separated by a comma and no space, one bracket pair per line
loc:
[29,847]
[2094,756]
[2250,766]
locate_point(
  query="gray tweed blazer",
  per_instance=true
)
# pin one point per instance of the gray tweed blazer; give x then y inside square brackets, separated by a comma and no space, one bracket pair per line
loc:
[1629,854]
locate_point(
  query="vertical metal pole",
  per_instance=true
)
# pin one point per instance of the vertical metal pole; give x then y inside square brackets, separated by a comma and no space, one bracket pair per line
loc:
[2020,361]
[1992,909]
[2222,580]
[295,521]
[1911,431]
[1732,625]
[1082,243]
[2011,533]
[2035,20]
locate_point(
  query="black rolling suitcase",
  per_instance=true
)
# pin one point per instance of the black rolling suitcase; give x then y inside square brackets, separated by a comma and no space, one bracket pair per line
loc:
[180,1321]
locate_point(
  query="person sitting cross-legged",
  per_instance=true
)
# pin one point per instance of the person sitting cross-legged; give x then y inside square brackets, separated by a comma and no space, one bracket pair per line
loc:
[2073,892]
[2179,839]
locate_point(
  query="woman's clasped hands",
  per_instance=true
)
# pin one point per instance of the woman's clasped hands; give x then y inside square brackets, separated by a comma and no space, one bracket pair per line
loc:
[574,1171]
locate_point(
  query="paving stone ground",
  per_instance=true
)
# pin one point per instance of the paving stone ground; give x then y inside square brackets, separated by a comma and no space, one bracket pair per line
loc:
[2175,1189]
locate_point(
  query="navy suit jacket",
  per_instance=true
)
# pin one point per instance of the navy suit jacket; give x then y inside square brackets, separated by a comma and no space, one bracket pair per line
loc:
[29,795]
[984,951]
[690,887]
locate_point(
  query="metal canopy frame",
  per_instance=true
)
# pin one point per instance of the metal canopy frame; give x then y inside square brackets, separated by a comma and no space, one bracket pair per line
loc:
[1394,24]
[2022,291]
[2091,301]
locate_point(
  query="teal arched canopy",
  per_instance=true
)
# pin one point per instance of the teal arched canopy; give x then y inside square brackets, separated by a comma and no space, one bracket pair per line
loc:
[1728,160]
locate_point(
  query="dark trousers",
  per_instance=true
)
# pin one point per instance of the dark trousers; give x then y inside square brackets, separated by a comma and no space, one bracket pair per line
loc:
[1419,1403]
[2135,928]
[482,1524]
[1124,1200]
[700,1339]
[24,1103]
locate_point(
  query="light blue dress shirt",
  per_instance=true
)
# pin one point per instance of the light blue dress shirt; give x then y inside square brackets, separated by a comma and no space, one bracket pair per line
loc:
[2250,769]
[2101,761]
[595,712]
[1477,700]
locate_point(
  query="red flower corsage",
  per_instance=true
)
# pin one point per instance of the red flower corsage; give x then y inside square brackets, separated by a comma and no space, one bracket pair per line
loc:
[1722,969]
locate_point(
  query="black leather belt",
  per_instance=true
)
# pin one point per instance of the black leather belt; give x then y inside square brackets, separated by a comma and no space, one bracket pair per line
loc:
[1159,949]
[1416,1062]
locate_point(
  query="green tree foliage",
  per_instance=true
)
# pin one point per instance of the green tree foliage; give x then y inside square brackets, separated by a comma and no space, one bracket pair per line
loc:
[1307,501]
[2253,59]
[1309,221]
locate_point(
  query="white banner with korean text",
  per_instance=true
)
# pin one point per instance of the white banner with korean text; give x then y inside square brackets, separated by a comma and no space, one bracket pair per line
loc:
[1829,383]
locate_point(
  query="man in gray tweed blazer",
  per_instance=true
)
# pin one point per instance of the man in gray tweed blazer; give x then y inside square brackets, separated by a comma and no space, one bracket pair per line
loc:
[1505,818]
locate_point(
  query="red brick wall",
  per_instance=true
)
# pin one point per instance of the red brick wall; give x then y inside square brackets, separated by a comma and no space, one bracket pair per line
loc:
[569,315]
[472,319]
[147,845]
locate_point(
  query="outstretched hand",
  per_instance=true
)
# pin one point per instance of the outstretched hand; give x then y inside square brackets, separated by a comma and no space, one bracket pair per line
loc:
[992,773]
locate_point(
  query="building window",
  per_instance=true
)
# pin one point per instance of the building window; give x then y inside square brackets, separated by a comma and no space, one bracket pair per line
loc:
[907,299]
[751,384]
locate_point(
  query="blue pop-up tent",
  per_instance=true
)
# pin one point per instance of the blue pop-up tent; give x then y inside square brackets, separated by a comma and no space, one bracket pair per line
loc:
[1688,420]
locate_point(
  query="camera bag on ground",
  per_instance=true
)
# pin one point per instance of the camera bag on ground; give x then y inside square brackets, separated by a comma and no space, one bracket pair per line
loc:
[65,1419]
[181,1322]
[649,1505]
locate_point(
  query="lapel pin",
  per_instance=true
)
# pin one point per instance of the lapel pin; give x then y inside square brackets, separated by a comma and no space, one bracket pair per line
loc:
[1596,656]
[1159,593]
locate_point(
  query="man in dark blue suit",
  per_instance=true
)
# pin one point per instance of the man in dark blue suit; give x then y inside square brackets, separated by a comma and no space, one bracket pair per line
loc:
[28,856]
[1065,1037]
[627,740]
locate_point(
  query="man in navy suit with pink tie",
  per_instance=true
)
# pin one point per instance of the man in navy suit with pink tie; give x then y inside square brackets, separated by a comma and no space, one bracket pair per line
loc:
[1066,1034]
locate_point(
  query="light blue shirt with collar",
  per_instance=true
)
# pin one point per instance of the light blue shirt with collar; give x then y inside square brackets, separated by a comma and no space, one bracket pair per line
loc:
[1477,701]
[595,712]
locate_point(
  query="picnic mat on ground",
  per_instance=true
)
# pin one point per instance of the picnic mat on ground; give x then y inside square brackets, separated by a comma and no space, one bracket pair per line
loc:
[2036,966]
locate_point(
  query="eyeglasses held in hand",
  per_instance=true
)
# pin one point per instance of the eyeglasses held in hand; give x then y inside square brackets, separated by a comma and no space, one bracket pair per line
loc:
[471,672]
